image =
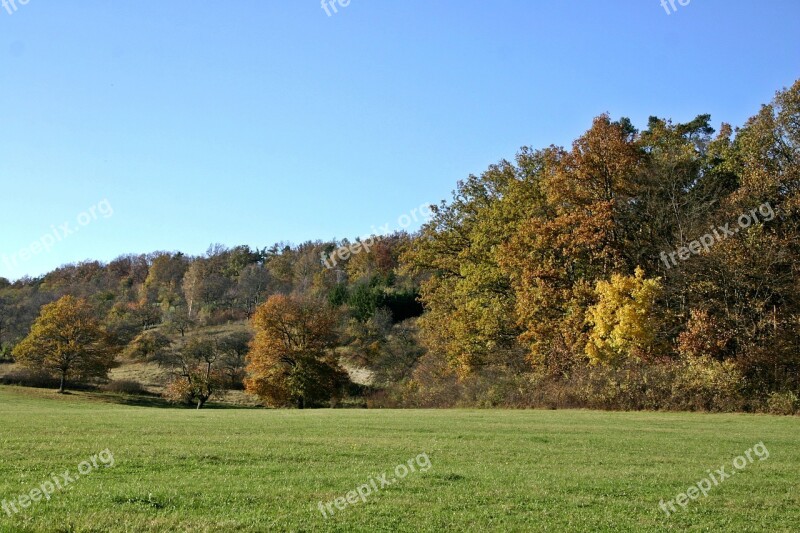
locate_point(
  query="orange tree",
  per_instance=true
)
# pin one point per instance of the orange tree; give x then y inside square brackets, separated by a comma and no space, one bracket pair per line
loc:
[291,359]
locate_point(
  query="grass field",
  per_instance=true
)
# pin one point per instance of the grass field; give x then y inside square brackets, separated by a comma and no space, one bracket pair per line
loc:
[262,470]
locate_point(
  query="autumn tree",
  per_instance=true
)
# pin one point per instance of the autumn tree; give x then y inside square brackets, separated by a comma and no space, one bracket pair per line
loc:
[291,359]
[164,278]
[178,321]
[749,281]
[252,286]
[197,372]
[469,301]
[6,316]
[624,321]
[150,345]
[67,341]
[233,349]
[127,320]
[205,284]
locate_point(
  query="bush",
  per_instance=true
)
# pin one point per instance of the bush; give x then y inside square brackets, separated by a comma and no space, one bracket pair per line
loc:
[30,378]
[697,384]
[5,354]
[705,384]
[124,386]
[783,403]
[633,386]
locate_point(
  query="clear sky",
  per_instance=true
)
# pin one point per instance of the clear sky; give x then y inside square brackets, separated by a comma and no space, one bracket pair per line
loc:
[256,121]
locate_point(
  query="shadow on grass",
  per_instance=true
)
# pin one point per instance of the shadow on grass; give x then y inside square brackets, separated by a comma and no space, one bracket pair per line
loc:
[135,400]
[92,394]
[155,401]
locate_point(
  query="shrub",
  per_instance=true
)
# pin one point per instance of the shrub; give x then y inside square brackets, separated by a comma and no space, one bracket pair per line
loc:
[30,378]
[124,386]
[634,385]
[624,322]
[783,403]
[5,354]
[705,384]
[695,384]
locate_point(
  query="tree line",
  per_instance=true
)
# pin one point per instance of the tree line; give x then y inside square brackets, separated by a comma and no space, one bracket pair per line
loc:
[541,282]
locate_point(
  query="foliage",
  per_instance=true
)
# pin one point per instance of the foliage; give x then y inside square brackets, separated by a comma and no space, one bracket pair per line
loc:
[150,345]
[624,321]
[783,403]
[705,384]
[197,375]
[291,360]
[67,341]
[534,271]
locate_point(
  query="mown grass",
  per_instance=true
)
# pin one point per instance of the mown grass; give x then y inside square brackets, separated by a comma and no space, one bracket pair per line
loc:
[262,470]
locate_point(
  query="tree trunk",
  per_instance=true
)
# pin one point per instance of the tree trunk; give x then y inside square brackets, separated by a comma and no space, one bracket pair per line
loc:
[301,403]
[61,386]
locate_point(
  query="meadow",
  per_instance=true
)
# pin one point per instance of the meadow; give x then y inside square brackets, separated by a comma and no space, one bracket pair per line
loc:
[249,470]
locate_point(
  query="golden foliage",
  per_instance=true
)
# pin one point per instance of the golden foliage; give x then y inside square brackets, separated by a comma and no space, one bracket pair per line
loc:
[67,341]
[624,321]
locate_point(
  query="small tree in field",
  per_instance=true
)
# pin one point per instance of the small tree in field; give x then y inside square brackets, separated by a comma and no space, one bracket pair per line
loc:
[291,360]
[198,373]
[67,342]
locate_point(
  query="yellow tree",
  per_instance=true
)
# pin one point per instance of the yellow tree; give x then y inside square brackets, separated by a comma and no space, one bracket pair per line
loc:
[67,342]
[624,321]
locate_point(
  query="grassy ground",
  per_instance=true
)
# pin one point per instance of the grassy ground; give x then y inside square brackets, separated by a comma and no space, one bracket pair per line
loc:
[261,470]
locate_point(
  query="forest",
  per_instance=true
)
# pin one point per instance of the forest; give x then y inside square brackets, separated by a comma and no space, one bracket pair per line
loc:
[636,269]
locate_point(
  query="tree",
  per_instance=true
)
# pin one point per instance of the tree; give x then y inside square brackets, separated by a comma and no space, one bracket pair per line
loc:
[233,349]
[205,285]
[6,314]
[253,284]
[193,285]
[624,321]
[179,321]
[67,341]
[576,237]
[468,299]
[163,283]
[127,320]
[197,376]
[291,359]
[150,345]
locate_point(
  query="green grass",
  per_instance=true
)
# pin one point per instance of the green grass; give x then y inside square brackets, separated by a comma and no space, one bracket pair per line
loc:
[262,470]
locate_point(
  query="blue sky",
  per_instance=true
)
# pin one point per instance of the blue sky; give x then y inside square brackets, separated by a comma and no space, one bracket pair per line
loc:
[256,121]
